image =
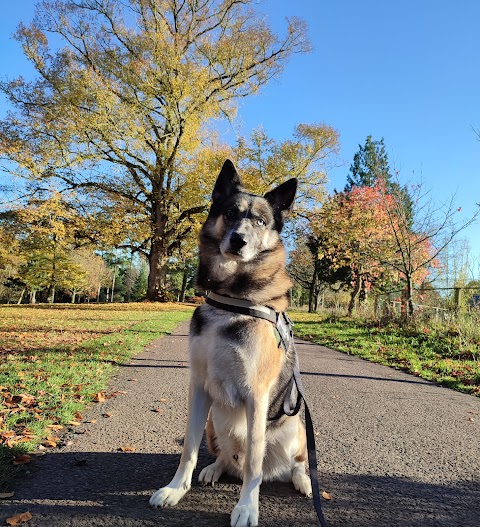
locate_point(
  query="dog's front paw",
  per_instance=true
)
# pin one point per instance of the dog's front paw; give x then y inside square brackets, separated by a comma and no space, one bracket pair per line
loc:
[244,516]
[168,496]
[302,483]
[211,474]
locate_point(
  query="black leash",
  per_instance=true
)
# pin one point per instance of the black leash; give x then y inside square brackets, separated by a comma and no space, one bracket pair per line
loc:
[311,449]
[311,446]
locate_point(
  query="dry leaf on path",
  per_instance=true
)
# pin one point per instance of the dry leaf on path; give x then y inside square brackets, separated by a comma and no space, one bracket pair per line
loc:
[22,460]
[49,443]
[55,427]
[326,495]
[127,448]
[99,397]
[18,519]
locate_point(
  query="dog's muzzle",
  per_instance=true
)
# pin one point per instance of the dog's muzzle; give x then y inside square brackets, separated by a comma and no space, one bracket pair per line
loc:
[236,243]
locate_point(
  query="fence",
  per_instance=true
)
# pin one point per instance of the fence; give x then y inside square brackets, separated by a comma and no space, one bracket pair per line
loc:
[441,303]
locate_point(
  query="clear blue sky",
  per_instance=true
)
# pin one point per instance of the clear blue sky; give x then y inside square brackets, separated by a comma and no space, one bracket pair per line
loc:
[406,71]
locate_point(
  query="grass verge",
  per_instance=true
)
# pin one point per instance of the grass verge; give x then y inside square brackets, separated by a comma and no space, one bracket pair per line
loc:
[438,355]
[55,360]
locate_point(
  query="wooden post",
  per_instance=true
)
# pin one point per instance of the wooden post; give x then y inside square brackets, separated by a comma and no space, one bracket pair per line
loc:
[458,298]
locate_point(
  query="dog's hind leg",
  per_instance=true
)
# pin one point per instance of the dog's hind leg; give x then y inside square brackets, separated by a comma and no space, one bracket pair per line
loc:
[211,474]
[300,479]
[245,513]
[198,407]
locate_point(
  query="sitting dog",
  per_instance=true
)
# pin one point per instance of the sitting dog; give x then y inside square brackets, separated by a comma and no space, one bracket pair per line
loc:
[239,372]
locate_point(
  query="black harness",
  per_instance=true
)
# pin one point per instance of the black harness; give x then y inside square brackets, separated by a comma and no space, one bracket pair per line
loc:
[283,329]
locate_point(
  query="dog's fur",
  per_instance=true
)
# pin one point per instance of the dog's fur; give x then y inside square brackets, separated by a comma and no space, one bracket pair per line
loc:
[238,372]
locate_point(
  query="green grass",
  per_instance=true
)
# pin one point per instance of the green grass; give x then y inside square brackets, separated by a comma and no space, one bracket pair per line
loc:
[441,355]
[55,359]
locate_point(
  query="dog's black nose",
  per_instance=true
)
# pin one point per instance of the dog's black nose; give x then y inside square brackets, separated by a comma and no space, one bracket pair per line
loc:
[236,242]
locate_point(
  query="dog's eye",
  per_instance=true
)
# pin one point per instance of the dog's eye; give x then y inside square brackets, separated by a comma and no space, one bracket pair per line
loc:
[261,222]
[230,214]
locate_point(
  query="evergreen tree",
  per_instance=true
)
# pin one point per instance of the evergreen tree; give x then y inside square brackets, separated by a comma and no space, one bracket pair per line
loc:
[370,164]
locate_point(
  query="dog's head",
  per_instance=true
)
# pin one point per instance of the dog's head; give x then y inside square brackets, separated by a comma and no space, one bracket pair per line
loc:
[243,224]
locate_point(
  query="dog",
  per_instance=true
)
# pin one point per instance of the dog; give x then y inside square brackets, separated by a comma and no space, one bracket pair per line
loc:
[239,372]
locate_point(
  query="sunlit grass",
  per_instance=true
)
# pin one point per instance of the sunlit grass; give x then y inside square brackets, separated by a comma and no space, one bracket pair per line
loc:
[55,359]
[436,354]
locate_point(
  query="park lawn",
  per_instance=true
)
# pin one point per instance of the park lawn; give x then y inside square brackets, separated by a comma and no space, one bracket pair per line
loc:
[437,355]
[55,360]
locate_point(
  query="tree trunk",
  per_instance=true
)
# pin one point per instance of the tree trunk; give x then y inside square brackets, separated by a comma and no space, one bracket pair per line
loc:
[314,289]
[33,297]
[184,284]
[51,294]
[113,280]
[354,295]
[375,306]
[21,296]
[158,257]
[311,298]
[51,285]
[74,293]
[409,292]
[114,273]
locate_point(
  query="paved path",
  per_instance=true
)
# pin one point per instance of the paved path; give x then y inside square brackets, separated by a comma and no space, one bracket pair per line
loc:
[393,451]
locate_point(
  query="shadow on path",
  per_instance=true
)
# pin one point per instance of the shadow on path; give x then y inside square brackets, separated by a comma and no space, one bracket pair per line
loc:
[112,489]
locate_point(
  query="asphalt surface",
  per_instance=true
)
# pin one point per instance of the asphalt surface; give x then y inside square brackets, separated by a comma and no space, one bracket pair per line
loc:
[393,451]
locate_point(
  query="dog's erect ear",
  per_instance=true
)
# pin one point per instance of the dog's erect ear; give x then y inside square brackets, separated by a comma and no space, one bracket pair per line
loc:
[227,183]
[281,198]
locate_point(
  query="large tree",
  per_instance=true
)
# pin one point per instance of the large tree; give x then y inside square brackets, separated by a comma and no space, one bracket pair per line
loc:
[124,95]
[353,239]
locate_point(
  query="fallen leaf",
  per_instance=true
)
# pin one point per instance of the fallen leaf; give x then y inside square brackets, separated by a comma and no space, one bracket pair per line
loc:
[74,423]
[132,380]
[106,415]
[49,444]
[158,410]
[99,397]
[22,460]
[326,495]
[18,519]
[115,394]
[163,400]
[91,421]
[78,416]
[127,448]
[55,427]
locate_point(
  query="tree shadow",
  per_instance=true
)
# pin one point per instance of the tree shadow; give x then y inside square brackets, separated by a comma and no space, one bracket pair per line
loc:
[113,489]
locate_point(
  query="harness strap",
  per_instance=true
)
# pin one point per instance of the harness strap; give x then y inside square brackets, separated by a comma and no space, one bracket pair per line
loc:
[243,307]
[282,325]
